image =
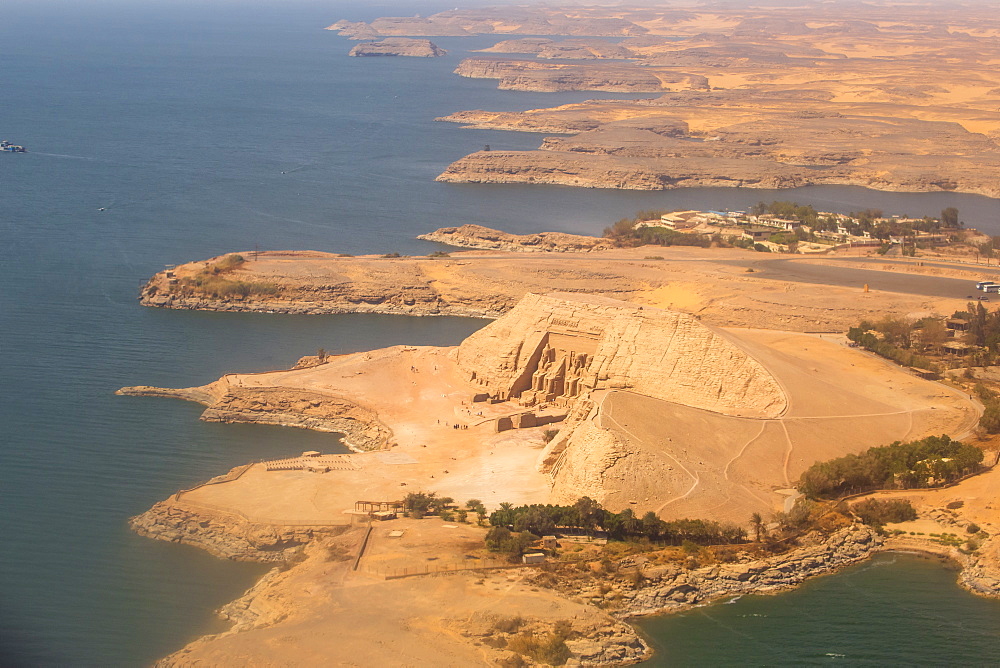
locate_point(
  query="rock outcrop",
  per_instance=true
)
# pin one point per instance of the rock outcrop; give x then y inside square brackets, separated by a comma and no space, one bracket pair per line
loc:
[561,347]
[670,588]
[552,77]
[596,639]
[225,534]
[399,46]
[280,406]
[477,236]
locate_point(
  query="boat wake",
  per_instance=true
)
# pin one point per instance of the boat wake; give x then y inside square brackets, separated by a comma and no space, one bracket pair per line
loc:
[63,155]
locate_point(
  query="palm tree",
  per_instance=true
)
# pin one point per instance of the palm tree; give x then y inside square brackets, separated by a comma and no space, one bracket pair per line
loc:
[757,524]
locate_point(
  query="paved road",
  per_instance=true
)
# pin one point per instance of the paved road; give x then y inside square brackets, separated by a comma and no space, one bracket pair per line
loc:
[848,276]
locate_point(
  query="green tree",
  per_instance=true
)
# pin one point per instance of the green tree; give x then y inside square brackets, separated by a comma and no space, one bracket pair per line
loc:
[949,217]
[757,524]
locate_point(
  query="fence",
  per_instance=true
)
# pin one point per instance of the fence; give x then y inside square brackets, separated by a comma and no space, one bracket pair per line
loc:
[393,573]
[234,474]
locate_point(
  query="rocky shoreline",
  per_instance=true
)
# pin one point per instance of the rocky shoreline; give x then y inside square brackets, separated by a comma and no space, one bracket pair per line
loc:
[525,75]
[485,238]
[390,306]
[283,407]
[575,162]
[671,588]
[662,589]
[226,535]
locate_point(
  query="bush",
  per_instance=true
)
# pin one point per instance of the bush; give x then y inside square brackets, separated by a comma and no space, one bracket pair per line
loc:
[229,263]
[503,541]
[508,624]
[550,649]
[876,513]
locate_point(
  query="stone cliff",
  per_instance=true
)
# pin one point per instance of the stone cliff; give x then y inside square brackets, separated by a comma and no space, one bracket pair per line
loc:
[551,77]
[710,282]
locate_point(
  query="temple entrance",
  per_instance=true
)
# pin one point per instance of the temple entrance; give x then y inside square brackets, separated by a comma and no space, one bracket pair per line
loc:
[562,368]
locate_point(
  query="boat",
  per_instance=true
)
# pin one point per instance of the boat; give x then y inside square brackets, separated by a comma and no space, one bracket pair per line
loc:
[11,148]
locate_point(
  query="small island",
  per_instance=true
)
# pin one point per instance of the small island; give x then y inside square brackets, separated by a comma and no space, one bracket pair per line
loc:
[398,46]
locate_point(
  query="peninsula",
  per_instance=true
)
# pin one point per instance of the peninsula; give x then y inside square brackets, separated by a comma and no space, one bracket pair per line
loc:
[565,396]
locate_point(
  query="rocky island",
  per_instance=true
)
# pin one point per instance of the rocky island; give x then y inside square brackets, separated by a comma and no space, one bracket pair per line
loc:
[399,46]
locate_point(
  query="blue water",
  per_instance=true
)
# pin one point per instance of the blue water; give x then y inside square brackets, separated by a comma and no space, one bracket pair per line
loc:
[895,610]
[202,128]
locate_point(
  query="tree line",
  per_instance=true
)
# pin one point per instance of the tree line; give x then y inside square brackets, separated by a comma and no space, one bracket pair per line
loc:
[931,460]
[588,515]
[908,342]
[896,341]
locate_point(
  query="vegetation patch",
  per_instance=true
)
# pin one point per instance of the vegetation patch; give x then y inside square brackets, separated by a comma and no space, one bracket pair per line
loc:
[588,515]
[213,281]
[549,649]
[901,341]
[930,461]
[878,513]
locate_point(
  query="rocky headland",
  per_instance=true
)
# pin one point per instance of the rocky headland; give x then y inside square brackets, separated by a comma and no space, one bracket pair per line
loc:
[225,534]
[227,400]
[399,46]
[714,284]
[658,149]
